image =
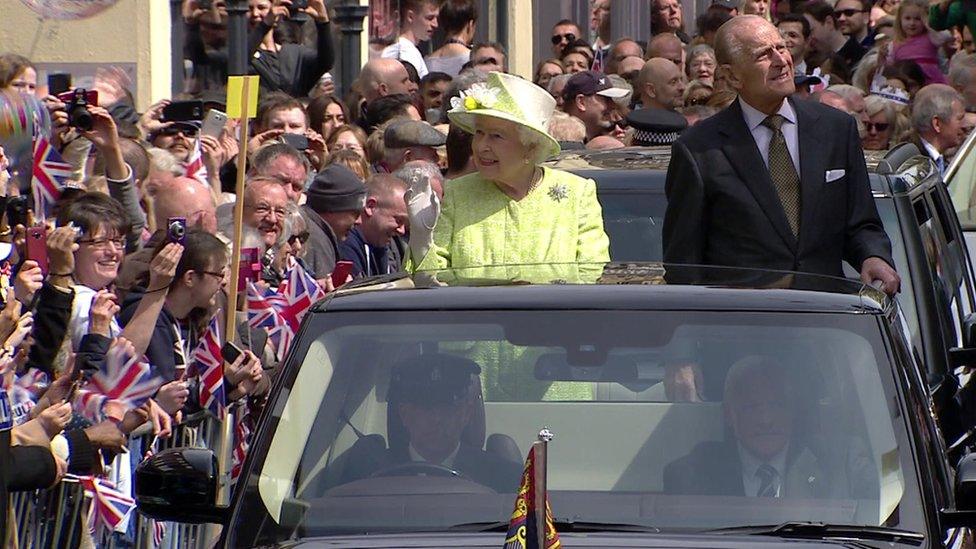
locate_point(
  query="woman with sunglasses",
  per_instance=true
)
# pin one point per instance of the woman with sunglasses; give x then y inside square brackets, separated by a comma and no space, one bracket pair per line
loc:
[880,125]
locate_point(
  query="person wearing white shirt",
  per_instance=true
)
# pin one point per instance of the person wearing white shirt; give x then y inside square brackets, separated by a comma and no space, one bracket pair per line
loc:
[418,20]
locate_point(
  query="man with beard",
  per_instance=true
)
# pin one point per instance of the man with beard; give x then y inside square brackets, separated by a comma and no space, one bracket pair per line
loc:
[265,207]
[589,96]
[177,138]
[660,85]
[372,245]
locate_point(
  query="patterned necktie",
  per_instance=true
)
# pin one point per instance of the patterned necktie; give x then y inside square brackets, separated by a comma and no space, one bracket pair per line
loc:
[767,481]
[783,172]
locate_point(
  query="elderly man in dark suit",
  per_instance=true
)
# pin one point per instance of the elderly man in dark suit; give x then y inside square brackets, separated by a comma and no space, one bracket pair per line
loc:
[766,457]
[772,182]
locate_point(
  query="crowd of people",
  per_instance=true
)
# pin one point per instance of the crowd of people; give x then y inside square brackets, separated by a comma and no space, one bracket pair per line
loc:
[430,162]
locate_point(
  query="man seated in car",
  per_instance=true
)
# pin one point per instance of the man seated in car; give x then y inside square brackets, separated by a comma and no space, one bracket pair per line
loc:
[767,456]
[432,398]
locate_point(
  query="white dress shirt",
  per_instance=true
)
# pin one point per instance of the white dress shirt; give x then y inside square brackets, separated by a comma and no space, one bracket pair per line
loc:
[763,135]
[407,51]
[750,464]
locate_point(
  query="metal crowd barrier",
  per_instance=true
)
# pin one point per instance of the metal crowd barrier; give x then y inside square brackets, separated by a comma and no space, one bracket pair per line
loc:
[57,518]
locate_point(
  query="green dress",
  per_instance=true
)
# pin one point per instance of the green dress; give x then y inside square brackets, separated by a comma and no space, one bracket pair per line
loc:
[555,233]
[956,15]
[553,229]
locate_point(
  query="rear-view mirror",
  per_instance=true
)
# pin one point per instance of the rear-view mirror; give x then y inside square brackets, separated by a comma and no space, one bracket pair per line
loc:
[179,485]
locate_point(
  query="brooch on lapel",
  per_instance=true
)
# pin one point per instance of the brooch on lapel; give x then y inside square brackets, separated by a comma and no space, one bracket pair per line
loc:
[558,192]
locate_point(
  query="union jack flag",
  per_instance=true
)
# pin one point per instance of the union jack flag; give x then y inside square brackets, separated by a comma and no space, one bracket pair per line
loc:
[110,508]
[125,378]
[48,176]
[262,312]
[242,443]
[207,361]
[300,291]
[34,381]
[24,392]
[194,167]
[89,405]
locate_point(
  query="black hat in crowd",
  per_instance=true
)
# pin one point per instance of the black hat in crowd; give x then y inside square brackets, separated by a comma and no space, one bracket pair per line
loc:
[336,189]
[591,83]
[433,379]
[412,133]
[726,4]
[656,126]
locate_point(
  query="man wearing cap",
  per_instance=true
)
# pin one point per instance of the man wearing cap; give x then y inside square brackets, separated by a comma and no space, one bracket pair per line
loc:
[372,246]
[431,400]
[589,96]
[332,208]
[770,182]
[410,140]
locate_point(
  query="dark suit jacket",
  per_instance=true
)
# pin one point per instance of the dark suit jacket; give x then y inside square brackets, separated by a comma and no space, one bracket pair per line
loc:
[723,208]
[813,470]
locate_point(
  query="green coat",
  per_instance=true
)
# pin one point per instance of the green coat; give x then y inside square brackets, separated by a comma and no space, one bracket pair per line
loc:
[554,233]
[560,222]
[956,15]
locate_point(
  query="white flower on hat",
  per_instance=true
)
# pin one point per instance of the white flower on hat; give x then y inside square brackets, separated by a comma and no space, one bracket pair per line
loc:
[478,96]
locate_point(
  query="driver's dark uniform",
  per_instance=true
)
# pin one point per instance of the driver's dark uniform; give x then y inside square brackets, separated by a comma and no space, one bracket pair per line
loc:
[442,383]
[474,463]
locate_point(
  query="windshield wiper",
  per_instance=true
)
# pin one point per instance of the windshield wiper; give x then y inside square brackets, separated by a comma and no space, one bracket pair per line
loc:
[800,529]
[561,526]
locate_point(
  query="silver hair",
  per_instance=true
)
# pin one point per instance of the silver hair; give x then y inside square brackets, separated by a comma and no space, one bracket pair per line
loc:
[699,50]
[847,91]
[161,160]
[416,171]
[559,78]
[934,100]
[564,127]
[875,104]
[962,70]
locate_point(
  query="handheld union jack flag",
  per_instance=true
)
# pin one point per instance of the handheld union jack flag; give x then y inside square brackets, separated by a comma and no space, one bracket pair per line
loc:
[110,508]
[300,291]
[207,361]
[262,312]
[242,443]
[89,405]
[194,167]
[125,378]
[48,177]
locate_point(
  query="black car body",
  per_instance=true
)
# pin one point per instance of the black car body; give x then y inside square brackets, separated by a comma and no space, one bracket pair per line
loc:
[842,346]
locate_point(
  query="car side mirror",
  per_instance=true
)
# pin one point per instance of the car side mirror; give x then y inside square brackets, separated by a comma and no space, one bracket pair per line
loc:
[179,485]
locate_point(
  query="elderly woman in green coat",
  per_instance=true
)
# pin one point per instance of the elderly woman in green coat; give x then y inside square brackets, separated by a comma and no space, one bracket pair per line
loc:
[513,218]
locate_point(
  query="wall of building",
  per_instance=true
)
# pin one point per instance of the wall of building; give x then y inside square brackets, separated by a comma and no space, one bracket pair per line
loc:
[133,34]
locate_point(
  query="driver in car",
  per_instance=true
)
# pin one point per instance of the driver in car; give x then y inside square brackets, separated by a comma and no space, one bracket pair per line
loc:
[432,398]
[766,455]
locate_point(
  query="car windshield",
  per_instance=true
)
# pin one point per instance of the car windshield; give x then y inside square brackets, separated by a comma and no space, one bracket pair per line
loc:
[420,421]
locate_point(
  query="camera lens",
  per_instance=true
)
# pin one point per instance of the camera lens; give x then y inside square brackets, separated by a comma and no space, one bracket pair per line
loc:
[80,118]
[177,230]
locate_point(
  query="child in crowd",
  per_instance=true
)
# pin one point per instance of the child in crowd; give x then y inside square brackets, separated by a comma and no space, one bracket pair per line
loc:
[914,41]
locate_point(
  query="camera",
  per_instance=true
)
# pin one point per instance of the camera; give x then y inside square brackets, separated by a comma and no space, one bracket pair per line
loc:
[176,229]
[296,12]
[76,103]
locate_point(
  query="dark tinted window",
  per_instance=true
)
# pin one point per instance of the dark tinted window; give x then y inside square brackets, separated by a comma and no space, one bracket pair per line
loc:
[634,221]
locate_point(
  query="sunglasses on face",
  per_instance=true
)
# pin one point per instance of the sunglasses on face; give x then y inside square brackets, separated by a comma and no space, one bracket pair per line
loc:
[850,12]
[557,38]
[300,237]
[173,130]
[876,126]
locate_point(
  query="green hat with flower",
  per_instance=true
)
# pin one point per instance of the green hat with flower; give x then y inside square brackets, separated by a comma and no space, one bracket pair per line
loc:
[506,97]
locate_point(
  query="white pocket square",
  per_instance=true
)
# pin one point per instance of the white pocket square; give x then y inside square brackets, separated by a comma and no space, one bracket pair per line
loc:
[834,175]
